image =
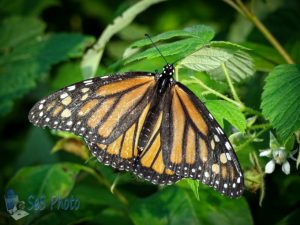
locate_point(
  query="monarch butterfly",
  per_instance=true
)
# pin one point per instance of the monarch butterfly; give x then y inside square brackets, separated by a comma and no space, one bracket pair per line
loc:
[146,123]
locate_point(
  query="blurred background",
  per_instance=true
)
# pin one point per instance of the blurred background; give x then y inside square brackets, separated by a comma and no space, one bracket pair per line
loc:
[49,39]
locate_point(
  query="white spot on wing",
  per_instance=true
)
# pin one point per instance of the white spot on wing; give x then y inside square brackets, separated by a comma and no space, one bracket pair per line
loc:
[83,90]
[71,88]
[41,106]
[227,145]
[63,95]
[216,138]
[228,156]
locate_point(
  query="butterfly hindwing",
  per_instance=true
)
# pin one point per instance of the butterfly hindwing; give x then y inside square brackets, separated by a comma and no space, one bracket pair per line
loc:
[198,148]
[150,164]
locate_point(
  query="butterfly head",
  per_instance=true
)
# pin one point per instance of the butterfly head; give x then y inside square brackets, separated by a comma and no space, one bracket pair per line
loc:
[168,70]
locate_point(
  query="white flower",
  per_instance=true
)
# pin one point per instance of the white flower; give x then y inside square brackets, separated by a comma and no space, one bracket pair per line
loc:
[270,166]
[286,168]
[278,156]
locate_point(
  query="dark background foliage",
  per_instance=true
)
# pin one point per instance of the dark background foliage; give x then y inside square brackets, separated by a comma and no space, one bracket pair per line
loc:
[42,44]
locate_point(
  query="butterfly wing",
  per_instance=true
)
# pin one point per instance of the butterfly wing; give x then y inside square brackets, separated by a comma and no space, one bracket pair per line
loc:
[197,147]
[99,109]
[150,163]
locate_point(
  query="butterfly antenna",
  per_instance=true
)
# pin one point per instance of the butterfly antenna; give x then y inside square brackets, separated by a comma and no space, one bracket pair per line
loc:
[148,36]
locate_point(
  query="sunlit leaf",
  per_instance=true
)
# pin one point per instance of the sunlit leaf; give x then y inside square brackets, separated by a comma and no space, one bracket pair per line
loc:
[223,110]
[211,57]
[280,99]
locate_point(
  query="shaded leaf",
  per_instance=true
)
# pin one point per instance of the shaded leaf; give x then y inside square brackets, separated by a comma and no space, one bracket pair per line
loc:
[223,110]
[73,146]
[30,57]
[37,149]
[175,205]
[280,99]
[25,7]
[49,180]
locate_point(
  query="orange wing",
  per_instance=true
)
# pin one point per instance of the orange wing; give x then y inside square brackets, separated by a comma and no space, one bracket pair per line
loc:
[99,109]
[198,148]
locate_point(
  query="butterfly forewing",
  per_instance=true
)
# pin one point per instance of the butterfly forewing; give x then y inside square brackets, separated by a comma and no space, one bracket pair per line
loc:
[99,109]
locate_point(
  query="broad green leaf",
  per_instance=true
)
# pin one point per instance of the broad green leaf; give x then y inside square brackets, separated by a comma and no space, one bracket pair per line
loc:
[223,110]
[93,56]
[195,36]
[211,57]
[14,34]
[48,180]
[175,205]
[67,73]
[179,48]
[29,57]
[194,185]
[25,7]
[280,99]
[37,149]
[203,32]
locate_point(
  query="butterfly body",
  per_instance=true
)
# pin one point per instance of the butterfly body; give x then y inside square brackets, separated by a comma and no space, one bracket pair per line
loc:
[146,123]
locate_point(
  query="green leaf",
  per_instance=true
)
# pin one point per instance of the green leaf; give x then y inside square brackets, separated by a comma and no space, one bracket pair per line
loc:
[49,180]
[93,56]
[30,55]
[203,32]
[223,110]
[180,48]
[37,149]
[194,185]
[211,57]
[13,34]
[25,7]
[196,36]
[175,205]
[280,99]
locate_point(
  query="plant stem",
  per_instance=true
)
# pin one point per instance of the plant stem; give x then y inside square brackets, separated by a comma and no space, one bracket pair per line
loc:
[103,181]
[240,7]
[240,105]
[229,81]
[197,81]
[252,111]
[260,126]
[238,148]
